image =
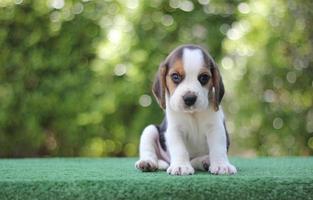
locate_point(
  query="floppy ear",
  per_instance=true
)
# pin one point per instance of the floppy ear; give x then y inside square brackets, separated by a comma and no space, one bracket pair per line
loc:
[158,87]
[218,86]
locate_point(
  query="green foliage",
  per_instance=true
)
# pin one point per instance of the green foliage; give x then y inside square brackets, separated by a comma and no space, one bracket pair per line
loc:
[75,76]
[45,78]
[273,78]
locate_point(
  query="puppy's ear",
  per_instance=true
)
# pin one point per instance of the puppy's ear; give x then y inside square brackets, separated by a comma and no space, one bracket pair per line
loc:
[218,86]
[159,87]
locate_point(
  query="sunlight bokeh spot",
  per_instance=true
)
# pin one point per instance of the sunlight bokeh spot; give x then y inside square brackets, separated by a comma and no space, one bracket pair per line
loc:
[278,123]
[167,20]
[198,31]
[145,100]
[174,3]
[244,8]
[291,77]
[204,2]
[94,147]
[186,5]
[269,96]
[110,145]
[227,63]
[120,70]
[18,1]
[234,34]
[114,36]
[224,28]
[132,4]
[78,8]
[57,4]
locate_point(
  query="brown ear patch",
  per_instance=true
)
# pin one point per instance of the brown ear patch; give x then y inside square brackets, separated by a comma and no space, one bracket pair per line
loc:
[159,86]
[218,88]
[176,67]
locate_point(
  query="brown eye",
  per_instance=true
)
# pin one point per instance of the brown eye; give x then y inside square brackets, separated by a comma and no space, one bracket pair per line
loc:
[176,78]
[203,79]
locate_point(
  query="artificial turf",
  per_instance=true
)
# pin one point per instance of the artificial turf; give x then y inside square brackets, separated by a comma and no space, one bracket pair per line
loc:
[116,178]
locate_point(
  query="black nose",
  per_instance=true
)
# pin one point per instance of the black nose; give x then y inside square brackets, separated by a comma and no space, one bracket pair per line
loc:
[190,99]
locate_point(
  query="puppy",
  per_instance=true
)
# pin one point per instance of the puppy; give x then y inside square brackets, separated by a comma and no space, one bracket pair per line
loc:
[192,136]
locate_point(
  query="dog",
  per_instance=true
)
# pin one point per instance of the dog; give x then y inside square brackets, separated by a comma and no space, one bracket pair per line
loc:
[193,136]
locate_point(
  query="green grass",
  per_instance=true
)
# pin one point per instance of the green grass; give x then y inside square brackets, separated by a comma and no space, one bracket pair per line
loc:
[116,178]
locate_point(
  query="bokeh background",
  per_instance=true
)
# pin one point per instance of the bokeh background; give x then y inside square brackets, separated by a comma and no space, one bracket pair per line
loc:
[75,76]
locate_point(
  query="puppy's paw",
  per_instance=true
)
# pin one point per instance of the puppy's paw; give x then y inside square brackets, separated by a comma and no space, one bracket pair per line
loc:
[222,168]
[162,165]
[205,164]
[146,165]
[180,169]
[201,163]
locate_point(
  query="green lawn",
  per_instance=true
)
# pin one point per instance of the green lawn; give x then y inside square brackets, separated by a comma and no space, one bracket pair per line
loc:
[116,178]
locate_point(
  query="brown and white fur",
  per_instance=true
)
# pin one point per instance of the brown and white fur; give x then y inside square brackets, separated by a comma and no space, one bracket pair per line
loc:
[192,136]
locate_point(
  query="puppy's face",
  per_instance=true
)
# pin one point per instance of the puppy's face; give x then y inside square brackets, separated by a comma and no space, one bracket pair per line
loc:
[188,81]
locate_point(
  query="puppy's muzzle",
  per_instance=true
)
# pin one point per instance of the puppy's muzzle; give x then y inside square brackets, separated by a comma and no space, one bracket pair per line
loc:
[189,99]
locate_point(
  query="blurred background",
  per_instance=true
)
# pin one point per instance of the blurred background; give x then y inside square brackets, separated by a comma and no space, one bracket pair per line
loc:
[76,75]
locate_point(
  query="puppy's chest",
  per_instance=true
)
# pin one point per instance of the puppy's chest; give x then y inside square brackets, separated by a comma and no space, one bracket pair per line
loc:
[195,138]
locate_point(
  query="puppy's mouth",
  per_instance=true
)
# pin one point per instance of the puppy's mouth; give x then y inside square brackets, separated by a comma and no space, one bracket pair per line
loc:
[190,109]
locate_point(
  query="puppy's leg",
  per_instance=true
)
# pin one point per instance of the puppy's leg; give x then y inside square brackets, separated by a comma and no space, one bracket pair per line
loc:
[217,142]
[147,150]
[162,165]
[201,163]
[180,163]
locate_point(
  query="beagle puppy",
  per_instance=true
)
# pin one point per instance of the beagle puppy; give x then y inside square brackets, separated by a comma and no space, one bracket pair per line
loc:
[192,136]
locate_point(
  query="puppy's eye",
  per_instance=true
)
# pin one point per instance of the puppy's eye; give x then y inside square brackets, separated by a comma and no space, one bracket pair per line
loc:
[203,79]
[176,78]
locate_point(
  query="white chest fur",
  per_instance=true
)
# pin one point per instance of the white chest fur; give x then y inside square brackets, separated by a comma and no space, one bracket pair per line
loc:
[194,129]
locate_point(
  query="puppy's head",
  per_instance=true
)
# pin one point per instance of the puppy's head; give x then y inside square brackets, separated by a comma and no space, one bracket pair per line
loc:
[188,81]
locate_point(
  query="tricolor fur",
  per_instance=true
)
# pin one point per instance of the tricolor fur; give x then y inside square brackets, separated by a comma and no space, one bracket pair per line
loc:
[189,87]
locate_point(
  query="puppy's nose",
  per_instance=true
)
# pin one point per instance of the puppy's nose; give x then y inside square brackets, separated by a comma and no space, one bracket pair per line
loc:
[190,99]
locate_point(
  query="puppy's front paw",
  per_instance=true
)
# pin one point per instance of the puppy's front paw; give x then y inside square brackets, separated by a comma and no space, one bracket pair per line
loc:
[222,168]
[146,165]
[201,163]
[180,169]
